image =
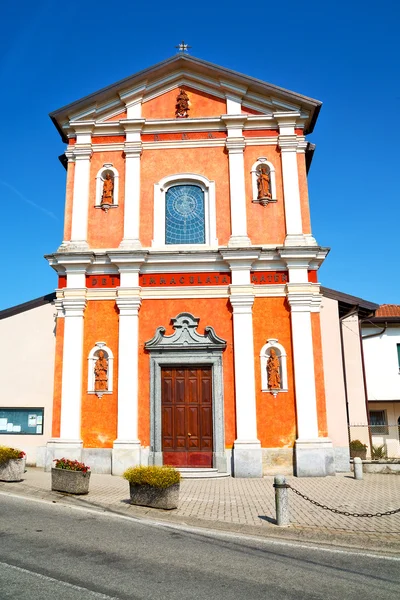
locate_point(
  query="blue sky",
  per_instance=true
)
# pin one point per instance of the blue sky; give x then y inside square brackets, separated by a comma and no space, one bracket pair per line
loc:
[345,54]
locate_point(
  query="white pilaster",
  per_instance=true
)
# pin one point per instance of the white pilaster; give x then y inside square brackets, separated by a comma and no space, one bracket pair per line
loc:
[247,448]
[235,145]
[82,152]
[71,394]
[133,151]
[314,455]
[288,144]
[126,448]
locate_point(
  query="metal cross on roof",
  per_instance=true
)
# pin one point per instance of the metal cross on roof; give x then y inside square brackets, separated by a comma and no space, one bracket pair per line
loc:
[182,47]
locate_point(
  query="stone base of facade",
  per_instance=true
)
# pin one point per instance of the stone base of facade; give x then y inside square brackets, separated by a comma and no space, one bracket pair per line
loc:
[125,454]
[278,461]
[342,459]
[61,448]
[247,459]
[314,458]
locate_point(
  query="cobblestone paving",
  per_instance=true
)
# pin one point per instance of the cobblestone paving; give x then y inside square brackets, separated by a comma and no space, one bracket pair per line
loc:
[250,501]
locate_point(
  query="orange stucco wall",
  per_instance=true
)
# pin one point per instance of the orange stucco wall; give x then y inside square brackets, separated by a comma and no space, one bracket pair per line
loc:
[55,432]
[117,117]
[99,415]
[155,313]
[276,417]
[319,374]
[265,224]
[200,105]
[106,229]
[210,162]
[69,194]
[303,185]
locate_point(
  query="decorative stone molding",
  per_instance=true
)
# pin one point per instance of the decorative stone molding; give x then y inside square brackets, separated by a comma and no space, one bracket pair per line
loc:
[272,343]
[92,358]
[185,337]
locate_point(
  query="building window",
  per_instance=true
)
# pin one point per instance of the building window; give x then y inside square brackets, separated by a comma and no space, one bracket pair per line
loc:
[378,422]
[184,211]
[184,215]
[398,356]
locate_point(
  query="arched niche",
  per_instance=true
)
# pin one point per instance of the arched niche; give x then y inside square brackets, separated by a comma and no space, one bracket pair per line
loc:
[265,353]
[107,168]
[92,358]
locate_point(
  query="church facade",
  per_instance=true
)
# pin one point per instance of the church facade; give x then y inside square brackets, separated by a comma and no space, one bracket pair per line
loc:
[188,326]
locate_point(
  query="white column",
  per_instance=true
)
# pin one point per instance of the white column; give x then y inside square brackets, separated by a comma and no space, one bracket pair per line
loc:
[235,144]
[71,395]
[80,204]
[133,151]
[127,448]
[247,458]
[314,455]
[288,144]
[247,448]
[82,152]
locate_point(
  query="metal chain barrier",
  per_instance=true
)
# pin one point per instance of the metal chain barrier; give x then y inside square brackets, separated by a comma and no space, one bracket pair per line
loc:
[340,512]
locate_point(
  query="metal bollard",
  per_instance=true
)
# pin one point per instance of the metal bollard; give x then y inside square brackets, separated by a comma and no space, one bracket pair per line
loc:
[281,501]
[358,468]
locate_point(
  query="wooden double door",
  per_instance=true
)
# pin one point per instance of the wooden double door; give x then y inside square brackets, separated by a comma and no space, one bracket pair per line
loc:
[187,422]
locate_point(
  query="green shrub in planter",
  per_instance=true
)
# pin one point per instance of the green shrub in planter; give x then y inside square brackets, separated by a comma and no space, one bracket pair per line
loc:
[378,452]
[157,487]
[12,464]
[358,449]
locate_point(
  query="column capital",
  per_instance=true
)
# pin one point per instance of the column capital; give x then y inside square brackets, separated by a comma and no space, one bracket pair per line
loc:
[235,145]
[74,307]
[82,152]
[128,305]
[234,122]
[128,261]
[133,149]
[288,143]
[241,299]
[304,297]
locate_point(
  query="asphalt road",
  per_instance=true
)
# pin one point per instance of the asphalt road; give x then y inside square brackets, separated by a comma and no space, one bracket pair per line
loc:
[52,552]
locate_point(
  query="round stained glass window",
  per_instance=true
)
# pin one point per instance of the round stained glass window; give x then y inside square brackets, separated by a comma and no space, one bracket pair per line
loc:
[184,215]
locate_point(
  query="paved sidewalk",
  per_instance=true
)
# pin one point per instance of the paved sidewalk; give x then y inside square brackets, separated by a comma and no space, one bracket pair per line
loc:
[248,505]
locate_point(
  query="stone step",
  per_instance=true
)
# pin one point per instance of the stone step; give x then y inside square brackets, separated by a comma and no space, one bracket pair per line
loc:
[201,473]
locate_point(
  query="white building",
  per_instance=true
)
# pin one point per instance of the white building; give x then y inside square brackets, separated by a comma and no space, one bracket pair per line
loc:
[381,343]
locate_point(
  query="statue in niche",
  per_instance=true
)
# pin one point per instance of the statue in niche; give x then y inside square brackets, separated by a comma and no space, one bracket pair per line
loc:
[274,371]
[263,184]
[108,189]
[101,373]
[182,105]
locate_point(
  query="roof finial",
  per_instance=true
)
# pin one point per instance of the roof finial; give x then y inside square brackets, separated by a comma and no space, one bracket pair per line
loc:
[182,47]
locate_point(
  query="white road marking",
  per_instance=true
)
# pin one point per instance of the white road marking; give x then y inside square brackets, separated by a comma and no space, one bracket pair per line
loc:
[71,586]
[104,512]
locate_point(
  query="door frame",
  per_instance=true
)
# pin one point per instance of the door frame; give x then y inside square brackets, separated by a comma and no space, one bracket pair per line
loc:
[185,348]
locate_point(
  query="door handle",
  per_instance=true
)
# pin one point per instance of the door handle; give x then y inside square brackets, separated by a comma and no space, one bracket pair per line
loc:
[189,434]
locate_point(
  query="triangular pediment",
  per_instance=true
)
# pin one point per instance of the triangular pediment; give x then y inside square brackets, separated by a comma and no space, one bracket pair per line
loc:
[210,87]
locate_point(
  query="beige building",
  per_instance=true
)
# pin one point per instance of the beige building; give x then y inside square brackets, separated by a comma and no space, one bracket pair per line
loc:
[27,355]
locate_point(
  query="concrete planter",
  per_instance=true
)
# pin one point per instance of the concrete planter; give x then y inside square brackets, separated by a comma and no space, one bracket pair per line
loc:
[358,454]
[70,482]
[12,470]
[387,467]
[147,495]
